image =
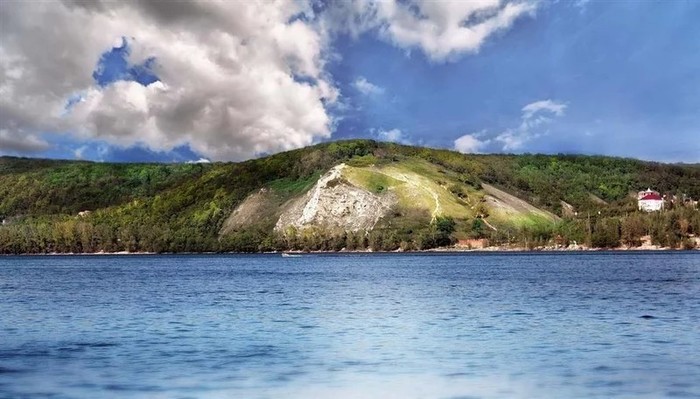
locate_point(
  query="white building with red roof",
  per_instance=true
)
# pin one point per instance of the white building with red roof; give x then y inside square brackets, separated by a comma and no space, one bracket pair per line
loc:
[650,201]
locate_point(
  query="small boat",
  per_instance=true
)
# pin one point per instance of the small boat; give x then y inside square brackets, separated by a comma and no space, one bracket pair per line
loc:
[288,255]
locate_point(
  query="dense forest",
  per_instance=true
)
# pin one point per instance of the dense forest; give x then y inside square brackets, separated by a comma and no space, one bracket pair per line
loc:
[49,206]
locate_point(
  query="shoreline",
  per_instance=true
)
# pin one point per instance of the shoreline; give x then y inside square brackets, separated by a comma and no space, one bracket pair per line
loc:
[445,250]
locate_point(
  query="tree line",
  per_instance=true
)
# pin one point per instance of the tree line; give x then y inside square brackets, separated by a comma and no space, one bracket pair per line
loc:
[673,229]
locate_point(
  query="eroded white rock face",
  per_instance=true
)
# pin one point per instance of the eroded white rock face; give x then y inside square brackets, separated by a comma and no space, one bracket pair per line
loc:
[335,204]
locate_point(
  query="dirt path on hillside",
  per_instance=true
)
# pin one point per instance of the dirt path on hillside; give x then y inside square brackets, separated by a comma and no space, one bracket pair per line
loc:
[486,222]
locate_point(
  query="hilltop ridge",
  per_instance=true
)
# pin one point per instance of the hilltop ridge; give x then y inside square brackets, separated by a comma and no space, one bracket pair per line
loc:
[349,194]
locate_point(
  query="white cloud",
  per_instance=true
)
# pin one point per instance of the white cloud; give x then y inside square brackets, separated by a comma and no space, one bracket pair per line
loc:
[441,29]
[365,87]
[543,105]
[534,115]
[393,135]
[200,160]
[228,73]
[26,143]
[513,139]
[470,143]
[236,78]
[79,153]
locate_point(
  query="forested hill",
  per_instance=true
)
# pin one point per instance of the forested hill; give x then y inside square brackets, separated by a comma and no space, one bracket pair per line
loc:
[432,197]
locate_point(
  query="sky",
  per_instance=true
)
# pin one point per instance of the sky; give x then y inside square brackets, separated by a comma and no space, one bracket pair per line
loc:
[223,80]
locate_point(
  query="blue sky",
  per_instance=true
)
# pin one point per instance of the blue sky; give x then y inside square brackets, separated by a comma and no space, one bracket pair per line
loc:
[611,78]
[629,73]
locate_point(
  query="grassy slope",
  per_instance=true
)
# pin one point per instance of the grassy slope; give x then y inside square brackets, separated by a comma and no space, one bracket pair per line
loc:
[418,185]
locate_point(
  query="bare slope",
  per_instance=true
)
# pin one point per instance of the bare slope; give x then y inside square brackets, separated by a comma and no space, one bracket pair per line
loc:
[360,198]
[256,206]
[504,207]
[335,204]
[354,198]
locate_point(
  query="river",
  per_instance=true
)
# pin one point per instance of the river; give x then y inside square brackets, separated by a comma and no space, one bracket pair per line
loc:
[443,326]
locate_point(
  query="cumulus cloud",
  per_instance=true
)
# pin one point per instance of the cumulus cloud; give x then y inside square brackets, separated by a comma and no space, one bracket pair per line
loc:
[393,135]
[235,78]
[365,87]
[440,29]
[534,115]
[470,143]
[11,144]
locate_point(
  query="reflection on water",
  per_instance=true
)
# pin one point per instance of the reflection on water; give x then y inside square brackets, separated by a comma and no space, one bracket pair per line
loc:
[385,326]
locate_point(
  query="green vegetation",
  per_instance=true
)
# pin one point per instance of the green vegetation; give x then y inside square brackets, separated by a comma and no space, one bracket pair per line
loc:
[288,186]
[371,179]
[182,207]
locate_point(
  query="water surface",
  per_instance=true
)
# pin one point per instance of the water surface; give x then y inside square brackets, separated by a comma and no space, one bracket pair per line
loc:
[590,325]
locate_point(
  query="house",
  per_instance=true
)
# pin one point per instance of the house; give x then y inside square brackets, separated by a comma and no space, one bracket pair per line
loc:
[650,201]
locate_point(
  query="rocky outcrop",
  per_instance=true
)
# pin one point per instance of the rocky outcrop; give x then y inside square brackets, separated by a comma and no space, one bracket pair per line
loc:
[335,204]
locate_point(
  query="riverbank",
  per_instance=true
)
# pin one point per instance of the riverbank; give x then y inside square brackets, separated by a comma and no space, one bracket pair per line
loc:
[455,249]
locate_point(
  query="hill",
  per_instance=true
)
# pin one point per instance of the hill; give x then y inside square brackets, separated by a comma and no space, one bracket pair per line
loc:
[349,194]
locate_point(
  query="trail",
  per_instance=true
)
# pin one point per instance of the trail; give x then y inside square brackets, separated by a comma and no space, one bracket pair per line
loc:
[412,182]
[489,224]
